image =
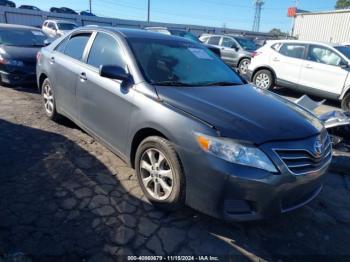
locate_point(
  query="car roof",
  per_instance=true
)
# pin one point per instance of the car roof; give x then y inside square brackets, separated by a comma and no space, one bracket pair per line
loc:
[13,26]
[303,42]
[59,21]
[137,33]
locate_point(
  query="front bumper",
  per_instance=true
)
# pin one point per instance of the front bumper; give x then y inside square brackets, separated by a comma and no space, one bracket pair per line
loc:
[240,193]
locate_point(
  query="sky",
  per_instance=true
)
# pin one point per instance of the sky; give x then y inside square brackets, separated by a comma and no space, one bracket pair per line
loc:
[237,14]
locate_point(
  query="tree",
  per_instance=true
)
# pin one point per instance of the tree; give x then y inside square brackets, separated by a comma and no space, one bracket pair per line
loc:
[342,4]
[277,32]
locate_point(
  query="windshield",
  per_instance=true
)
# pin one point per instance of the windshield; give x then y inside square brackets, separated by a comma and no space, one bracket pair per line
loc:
[180,63]
[66,26]
[345,50]
[185,34]
[246,44]
[22,37]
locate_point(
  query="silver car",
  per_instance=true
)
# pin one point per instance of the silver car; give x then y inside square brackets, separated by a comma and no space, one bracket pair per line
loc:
[236,51]
[195,132]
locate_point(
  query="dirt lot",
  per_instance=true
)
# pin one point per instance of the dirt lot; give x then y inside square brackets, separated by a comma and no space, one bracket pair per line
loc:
[64,197]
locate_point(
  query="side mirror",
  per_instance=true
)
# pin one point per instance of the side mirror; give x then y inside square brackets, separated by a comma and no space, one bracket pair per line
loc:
[114,72]
[344,64]
[235,47]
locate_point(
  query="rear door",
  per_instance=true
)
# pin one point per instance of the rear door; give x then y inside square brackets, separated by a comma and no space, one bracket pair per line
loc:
[66,63]
[322,72]
[105,104]
[287,62]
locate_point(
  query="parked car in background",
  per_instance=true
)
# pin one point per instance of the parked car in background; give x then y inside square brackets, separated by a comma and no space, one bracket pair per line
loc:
[19,46]
[87,13]
[182,33]
[236,51]
[315,68]
[29,7]
[57,28]
[63,10]
[209,140]
[7,3]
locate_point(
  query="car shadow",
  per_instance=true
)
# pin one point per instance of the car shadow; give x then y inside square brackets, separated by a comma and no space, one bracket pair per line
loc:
[68,199]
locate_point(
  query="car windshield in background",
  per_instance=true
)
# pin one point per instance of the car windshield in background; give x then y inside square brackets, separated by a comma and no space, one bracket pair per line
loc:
[66,26]
[22,37]
[345,50]
[246,44]
[185,34]
[169,62]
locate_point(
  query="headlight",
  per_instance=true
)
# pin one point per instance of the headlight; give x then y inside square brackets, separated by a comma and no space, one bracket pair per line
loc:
[235,152]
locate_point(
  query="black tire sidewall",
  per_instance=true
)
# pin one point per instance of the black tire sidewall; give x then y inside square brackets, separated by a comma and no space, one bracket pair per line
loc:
[176,198]
[268,73]
[345,103]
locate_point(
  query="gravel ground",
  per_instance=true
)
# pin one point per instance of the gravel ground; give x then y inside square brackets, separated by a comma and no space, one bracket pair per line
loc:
[65,197]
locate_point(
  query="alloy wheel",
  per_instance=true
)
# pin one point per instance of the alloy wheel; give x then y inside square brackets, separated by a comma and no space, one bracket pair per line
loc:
[48,99]
[262,81]
[243,66]
[156,174]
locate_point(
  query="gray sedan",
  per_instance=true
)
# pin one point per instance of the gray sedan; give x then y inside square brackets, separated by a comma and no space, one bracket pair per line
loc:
[194,131]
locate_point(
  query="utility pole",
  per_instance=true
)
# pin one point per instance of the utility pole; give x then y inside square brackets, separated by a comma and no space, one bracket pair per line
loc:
[149,11]
[90,7]
[257,17]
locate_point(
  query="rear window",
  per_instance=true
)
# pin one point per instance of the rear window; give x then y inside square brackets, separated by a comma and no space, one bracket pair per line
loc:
[293,50]
[214,40]
[76,45]
[66,26]
[22,37]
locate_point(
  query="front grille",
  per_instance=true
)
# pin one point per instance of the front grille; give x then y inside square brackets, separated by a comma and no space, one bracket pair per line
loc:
[304,161]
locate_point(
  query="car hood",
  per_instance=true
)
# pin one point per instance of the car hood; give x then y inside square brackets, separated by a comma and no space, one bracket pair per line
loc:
[244,112]
[25,54]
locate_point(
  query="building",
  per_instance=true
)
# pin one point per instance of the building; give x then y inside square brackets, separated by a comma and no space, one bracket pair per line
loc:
[331,26]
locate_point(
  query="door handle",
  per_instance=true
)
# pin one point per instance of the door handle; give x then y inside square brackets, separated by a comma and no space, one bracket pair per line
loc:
[83,76]
[275,59]
[309,66]
[52,60]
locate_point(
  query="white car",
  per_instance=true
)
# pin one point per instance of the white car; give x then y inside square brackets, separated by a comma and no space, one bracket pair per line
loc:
[57,28]
[316,68]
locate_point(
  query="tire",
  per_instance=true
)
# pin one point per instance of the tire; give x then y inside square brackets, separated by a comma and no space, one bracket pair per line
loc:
[345,103]
[48,98]
[243,66]
[264,79]
[148,177]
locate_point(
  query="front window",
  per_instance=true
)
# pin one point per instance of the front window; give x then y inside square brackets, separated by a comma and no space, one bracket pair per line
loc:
[66,26]
[171,62]
[323,55]
[228,42]
[246,44]
[22,37]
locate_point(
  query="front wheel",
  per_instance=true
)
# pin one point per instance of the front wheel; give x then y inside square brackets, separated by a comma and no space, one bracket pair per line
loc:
[345,103]
[159,173]
[243,66]
[263,79]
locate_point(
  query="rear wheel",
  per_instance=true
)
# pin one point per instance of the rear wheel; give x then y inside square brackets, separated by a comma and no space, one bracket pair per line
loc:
[49,100]
[345,103]
[243,66]
[159,173]
[263,79]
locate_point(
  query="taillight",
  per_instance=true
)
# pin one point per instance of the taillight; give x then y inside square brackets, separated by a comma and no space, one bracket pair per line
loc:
[254,54]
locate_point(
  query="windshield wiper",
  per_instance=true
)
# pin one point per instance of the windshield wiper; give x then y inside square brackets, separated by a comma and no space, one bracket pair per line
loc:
[171,83]
[222,83]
